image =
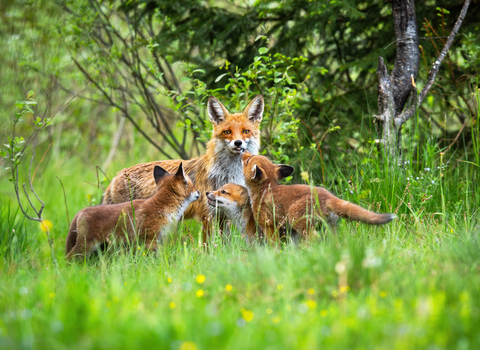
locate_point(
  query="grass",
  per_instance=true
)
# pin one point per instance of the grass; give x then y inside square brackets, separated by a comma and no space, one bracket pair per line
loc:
[398,289]
[410,284]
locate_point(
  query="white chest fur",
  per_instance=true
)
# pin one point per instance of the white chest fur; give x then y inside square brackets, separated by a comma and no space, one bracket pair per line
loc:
[228,166]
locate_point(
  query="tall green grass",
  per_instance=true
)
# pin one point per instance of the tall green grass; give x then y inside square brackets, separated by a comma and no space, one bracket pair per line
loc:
[410,284]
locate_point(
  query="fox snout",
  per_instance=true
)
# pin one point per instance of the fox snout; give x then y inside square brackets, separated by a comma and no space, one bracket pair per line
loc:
[237,146]
[210,195]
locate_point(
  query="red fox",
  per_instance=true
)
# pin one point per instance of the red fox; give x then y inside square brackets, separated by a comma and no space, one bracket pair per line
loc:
[145,219]
[234,202]
[233,134]
[300,206]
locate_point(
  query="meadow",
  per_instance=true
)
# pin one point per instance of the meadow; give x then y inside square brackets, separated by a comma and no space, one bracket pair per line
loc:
[138,75]
[410,284]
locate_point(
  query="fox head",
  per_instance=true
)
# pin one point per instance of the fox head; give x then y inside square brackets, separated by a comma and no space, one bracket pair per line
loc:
[179,185]
[258,170]
[230,198]
[236,132]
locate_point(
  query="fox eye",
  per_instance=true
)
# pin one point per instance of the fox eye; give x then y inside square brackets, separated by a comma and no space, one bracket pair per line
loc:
[227,132]
[246,131]
[223,192]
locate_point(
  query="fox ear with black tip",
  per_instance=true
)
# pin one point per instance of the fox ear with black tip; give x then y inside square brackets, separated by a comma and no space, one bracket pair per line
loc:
[284,171]
[254,110]
[216,111]
[181,173]
[257,173]
[159,173]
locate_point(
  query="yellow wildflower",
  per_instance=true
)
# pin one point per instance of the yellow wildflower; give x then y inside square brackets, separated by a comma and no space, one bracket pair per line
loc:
[172,305]
[247,315]
[200,293]
[311,304]
[188,345]
[311,291]
[228,287]
[324,313]
[46,225]
[276,319]
[200,279]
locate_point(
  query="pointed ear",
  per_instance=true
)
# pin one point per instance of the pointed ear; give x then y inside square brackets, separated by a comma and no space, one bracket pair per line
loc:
[254,110]
[216,111]
[158,173]
[284,171]
[181,173]
[257,173]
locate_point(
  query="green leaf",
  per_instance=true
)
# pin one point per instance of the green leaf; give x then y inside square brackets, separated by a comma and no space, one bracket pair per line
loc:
[198,71]
[220,77]
[262,50]
[30,93]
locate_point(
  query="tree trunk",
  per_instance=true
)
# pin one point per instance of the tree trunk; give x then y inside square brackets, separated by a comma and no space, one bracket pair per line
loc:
[393,91]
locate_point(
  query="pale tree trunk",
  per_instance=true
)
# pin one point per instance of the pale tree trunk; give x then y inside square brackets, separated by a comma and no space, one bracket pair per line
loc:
[394,89]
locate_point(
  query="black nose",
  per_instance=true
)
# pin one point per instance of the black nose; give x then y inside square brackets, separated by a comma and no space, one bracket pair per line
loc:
[207,193]
[238,143]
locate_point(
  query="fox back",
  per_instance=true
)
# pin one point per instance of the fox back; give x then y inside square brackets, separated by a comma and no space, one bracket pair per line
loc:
[273,203]
[143,219]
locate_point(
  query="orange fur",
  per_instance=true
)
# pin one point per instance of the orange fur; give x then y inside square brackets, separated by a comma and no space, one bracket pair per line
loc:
[234,202]
[144,219]
[220,165]
[300,206]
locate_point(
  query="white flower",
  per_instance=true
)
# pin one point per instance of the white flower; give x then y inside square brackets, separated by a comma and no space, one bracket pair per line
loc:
[370,260]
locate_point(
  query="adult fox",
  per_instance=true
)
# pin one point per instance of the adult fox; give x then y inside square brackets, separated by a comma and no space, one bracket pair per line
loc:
[233,134]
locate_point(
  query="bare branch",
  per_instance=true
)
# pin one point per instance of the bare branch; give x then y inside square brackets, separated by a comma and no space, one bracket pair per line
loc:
[402,118]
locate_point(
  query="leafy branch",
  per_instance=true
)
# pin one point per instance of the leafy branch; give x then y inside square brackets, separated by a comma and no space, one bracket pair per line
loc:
[14,153]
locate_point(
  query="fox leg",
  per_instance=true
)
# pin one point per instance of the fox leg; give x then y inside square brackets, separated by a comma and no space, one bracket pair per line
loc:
[270,232]
[84,245]
[206,230]
[151,244]
[72,236]
[303,226]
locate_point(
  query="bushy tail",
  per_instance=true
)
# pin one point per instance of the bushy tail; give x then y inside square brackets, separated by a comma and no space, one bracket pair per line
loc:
[352,211]
[72,236]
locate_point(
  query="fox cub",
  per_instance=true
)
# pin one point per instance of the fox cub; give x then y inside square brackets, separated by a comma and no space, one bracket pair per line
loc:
[233,201]
[145,219]
[299,206]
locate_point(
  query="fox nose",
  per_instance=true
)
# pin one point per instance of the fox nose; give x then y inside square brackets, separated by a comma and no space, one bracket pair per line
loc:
[208,193]
[238,143]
